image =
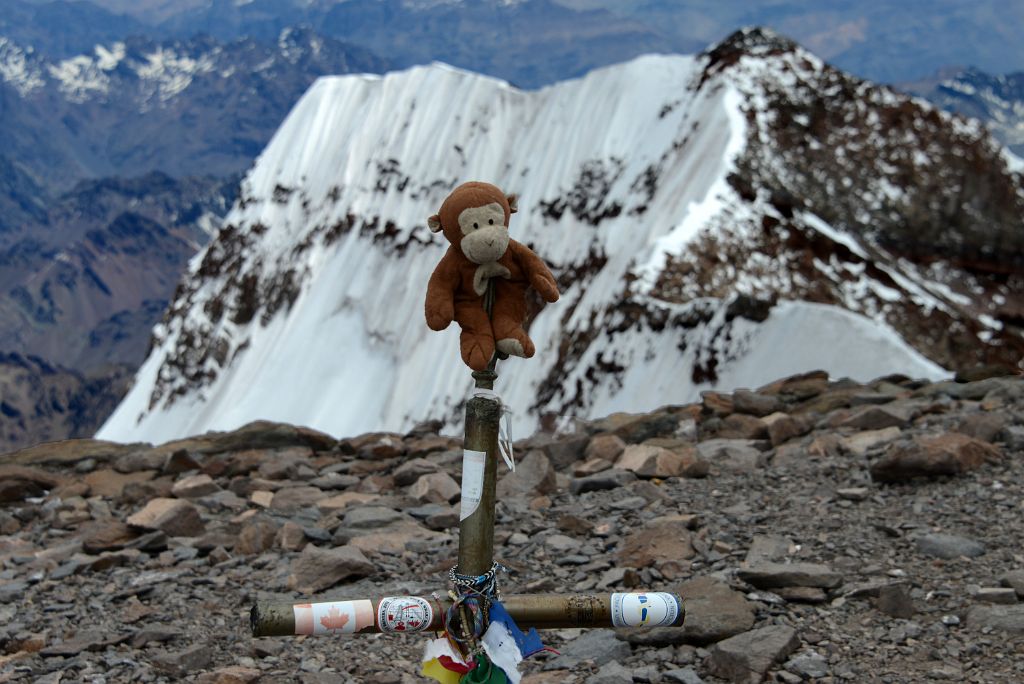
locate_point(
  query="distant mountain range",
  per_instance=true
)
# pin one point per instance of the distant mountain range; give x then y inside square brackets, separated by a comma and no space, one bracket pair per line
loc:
[714,221]
[117,166]
[996,100]
[538,42]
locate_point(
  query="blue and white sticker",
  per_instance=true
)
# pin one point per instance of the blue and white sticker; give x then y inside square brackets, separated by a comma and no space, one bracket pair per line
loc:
[648,609]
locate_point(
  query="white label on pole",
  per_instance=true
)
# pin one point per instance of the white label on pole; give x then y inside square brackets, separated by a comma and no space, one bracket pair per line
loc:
[333,617]
[404,614]
[650,609]
[472,481]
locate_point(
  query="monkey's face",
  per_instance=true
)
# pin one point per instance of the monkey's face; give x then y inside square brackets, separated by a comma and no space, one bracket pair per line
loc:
[484,233]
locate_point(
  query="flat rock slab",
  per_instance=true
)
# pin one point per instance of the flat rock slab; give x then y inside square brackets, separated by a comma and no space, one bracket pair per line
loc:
[949,546]
[317,569]
[714,610]
[773,575]
[599,646]
[88,640]
[665,539]
[746,657]
[1015,579]
[1002,618]
[946,454]
[174,517]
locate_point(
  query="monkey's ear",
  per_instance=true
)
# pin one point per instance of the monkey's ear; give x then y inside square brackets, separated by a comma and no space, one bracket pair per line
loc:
[513,203]
[434,223]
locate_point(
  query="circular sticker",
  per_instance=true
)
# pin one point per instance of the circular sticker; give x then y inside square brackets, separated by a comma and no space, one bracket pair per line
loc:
[404,614]
[649,609]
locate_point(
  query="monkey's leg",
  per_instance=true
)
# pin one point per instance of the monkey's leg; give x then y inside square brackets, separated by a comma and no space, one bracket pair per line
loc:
[507,319]
[477,340]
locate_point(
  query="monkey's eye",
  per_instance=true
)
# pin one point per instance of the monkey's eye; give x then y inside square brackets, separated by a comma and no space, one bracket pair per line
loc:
[476,225]
[490,221]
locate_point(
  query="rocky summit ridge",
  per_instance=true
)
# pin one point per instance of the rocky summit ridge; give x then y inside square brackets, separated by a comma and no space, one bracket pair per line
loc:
[818,529]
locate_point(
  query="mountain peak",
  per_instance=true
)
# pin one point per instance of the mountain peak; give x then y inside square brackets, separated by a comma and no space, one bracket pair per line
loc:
[755,41]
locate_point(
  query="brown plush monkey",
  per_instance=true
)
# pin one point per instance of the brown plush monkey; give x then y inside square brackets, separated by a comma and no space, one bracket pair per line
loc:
[474,218]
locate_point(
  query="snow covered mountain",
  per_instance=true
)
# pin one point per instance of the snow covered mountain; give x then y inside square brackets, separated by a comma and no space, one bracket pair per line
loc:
[129,107]
[996,100]
[714,221]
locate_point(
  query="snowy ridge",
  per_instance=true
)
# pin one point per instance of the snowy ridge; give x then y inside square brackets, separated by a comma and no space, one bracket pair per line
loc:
[19,68]
[308,308]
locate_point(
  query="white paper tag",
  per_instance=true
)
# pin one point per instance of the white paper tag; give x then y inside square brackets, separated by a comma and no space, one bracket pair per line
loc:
[650,609]
[472,481]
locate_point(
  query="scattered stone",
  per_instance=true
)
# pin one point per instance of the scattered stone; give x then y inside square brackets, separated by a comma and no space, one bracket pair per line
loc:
[772,575]
[256,536]
[18,483]
[853,493]
[746,657]
[1014,579]
[344,500]
[1000,618]
[879,417]
[262,499]
[945,454]
[179,461]
[533,475]
[291,537]
[107,535]
[604,447]
[802,594]
[1000,595]
[611,673]
[714,611]
[435,488]
[665,539]
[808,665]
[765,547]
[740,426]
[949,546]
[193,658]
[608,479]
[590,467]
[370,517]
[194,486]
[85,640]
[685,675]
[110,483]
[861,443]
[652,461]
[895,601]
[732,455]
[755,403]
[598,646]
[174,517]
[317,569]
[412,470]
[293,499]
[562,453]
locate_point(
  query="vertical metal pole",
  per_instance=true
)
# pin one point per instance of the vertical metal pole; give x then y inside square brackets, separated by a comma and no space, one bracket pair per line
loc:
[476,532]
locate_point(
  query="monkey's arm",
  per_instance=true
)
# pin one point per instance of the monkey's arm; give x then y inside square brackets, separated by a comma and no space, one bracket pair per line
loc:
[537,272]
[440,302]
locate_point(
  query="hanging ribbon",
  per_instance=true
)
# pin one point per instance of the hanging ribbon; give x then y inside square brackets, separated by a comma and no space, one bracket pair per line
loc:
[504,427]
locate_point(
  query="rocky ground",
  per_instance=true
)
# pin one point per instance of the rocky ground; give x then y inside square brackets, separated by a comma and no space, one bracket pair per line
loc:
[826,531]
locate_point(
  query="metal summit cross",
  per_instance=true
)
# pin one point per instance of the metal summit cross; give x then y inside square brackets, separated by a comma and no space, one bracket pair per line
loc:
[462,614]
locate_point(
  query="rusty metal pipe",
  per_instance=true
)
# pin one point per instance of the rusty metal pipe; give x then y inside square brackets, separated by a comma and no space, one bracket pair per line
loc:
[416,614]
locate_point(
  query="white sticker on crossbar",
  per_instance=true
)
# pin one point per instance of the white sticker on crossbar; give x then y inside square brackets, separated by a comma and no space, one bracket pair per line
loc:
[472,481]
[648,609]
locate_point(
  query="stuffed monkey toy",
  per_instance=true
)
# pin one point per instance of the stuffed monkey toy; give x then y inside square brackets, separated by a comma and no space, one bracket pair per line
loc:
[474,218]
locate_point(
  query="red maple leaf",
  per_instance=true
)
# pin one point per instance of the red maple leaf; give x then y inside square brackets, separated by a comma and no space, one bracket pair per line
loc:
[334,619]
